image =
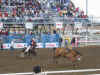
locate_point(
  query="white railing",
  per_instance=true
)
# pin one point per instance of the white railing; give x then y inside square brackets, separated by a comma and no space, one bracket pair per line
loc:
[54,72]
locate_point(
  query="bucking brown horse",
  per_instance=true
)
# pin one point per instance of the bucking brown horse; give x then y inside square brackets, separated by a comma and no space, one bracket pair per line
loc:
[71,55]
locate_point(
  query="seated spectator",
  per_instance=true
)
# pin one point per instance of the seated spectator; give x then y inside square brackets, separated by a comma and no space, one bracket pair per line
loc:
[34,8]
[58,9]
[64,11]
[0,1]
[60,13]
[6,14]
[1,15]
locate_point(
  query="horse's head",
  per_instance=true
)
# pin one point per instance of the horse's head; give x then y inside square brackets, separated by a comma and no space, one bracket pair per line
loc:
[74,55]
[78,57]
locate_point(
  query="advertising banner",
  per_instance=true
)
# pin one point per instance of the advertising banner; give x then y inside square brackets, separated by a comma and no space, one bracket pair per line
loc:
[19,45]
[59,25]
[6,45]
[29,25]
[39,45]
[51,45]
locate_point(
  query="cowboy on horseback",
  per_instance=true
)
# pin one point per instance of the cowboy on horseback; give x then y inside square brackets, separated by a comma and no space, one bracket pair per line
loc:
[31,48]
[33,43]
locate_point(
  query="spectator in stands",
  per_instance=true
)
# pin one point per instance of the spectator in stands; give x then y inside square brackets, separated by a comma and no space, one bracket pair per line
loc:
[64,11]
[6,32]
[54,31]
[14,12]
[0,1]
[0,14]
[58,9]
[6,14]
[33,8]
[60,13]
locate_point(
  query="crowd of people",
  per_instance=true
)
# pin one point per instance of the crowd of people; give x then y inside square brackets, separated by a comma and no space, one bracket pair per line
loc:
[70,11]
[19,8]
[34,8]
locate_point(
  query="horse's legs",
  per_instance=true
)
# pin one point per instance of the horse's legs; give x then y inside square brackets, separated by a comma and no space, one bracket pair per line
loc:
[56,59]
[29,52]
[33,52]
[23,51]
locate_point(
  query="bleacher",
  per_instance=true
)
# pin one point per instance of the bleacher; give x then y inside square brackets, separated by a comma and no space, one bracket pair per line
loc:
[15,13]
[20,11]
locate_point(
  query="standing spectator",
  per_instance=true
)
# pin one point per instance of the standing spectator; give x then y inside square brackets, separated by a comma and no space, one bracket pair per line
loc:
[1,43]
[67,42]
[12,45]
[73,42]
[60,41]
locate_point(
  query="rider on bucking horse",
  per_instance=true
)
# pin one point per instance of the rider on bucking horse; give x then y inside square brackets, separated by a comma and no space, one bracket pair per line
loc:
[31,46]
[33,43]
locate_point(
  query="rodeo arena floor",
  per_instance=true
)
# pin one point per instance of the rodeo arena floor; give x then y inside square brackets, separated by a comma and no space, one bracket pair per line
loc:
[12,64]
[44,16]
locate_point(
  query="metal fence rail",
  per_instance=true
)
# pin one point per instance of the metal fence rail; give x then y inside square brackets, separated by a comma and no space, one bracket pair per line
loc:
[54,72]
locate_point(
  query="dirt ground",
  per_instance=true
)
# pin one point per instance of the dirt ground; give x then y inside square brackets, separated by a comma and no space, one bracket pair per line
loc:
[10,62]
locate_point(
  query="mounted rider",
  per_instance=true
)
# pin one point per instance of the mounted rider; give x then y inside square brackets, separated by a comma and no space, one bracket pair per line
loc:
[33,43]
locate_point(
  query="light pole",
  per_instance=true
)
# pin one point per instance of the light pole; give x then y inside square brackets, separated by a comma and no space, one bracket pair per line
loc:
[86,22]
[86,7]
